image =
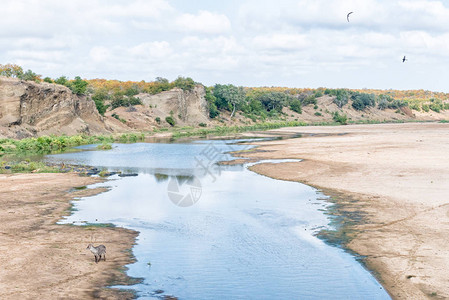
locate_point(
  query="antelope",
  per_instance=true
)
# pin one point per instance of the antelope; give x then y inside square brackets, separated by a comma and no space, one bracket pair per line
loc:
[97,252]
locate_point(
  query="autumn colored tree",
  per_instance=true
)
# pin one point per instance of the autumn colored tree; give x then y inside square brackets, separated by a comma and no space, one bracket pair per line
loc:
[11,70]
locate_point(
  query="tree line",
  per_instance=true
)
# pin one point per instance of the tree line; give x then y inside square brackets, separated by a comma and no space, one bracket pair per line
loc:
[254,103]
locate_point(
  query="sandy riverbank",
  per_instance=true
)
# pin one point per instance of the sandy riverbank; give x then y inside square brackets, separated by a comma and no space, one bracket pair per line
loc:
[40,259]
[398,174]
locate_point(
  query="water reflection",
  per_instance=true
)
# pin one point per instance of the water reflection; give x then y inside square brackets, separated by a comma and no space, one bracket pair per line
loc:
[246,237]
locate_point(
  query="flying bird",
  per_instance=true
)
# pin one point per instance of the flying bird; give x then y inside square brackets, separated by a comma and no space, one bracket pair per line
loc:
[404,59]
[347,16]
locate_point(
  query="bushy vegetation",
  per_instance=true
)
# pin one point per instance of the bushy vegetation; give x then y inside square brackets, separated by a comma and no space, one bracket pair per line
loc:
[341,96]
[170,120]
[221,130]
[26,167]
[361,101]
[257,104]
[436,105]
[340,118]
[120,99]
[48,144]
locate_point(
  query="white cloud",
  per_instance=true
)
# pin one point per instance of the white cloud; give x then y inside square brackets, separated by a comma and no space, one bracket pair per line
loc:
[280,41]
[152,50]
[250,42]
[204,22]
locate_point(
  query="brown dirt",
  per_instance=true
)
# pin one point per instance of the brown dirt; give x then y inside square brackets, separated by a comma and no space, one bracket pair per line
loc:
[399,176]
[40,259]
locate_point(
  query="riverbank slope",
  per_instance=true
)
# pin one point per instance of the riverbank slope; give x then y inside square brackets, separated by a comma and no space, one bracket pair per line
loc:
[42,259]
[398,175]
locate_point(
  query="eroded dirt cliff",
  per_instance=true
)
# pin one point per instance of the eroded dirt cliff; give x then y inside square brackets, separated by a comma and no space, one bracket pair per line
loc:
[31,109]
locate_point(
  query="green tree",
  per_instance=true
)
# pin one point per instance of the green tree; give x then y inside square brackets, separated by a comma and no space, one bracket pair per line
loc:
[30,76]
[132,91]
[274,101]
[361,100]
[341,97]
[296,106]
[62,81]
[210,99]
[229,96]
[79,86]
[99,97]
[184,83]
[48,79]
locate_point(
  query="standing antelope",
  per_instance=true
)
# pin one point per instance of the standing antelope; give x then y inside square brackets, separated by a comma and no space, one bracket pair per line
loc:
[98,252]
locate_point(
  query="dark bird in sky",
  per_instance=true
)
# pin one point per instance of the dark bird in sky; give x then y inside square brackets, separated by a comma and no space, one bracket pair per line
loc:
[404,59]
[347,16]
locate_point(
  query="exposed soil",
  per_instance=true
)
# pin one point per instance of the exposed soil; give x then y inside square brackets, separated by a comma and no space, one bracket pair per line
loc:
[40,259]
[397,177]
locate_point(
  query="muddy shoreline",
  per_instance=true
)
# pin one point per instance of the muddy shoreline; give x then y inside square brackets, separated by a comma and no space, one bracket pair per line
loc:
[56,263]
[390,183]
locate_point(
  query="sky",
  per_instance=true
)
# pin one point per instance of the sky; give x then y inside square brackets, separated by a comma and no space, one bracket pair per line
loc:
[302,43]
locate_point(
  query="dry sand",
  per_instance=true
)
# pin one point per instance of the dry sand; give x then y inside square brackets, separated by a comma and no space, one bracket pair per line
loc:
[398,175]
[39,259]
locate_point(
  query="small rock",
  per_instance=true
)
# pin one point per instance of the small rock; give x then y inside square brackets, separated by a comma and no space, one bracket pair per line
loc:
[128,175]
[7,167]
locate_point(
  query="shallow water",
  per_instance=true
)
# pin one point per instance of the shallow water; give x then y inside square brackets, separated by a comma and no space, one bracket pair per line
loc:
[213,232]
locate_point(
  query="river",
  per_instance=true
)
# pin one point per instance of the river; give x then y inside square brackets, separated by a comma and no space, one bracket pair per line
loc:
[217,232]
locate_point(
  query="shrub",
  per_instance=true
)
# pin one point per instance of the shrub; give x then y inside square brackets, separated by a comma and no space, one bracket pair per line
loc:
[425,107]
[158,120]
[311,99]
[78,86]
[99,97]
[436,105]
[318,114]
[415,106]
[202,125]
[296,106]
[62,81]
[396,104]
[170,121]
[360,100]
[341,97]
[213,111]
[48,80]
[342,119]
[104,146]
[185,83]
[30,76]
[120,100]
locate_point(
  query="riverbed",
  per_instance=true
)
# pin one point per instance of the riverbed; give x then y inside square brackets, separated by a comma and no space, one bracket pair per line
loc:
[211,231]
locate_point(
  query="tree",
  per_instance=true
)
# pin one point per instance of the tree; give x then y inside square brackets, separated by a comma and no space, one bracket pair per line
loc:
[132,91]
[79,86]
[210,99]
[62,81]
[295,105]
[361,100]
[99,97]
[341,97]
[48,79]
[230,96]
[274,101]
[11,70]
[184,83]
